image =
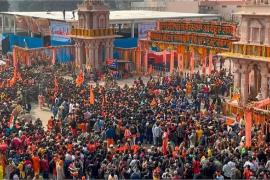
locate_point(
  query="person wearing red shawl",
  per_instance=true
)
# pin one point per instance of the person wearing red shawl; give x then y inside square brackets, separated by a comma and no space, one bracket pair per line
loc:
[165,140]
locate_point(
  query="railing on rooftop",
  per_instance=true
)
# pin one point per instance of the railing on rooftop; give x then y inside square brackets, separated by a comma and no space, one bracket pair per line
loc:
[251,50]
[93,32]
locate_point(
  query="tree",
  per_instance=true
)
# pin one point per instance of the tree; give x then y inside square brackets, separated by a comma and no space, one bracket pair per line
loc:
[4,5]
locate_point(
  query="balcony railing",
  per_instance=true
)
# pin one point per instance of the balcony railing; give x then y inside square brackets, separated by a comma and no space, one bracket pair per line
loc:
[251,50]
[93,32]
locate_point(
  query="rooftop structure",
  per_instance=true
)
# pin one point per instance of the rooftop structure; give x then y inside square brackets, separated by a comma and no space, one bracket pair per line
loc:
[116,16]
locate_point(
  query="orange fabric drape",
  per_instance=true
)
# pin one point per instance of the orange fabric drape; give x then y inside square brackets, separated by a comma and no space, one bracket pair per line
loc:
[164,56]
[179,62]
[92,96]
[15,60]
[248,126]
[204,65]
[138,60]
[192,62]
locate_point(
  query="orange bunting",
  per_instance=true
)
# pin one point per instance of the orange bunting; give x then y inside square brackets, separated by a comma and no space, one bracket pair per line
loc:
[92,96]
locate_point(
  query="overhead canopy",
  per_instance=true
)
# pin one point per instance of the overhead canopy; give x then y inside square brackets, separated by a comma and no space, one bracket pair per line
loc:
[136,16]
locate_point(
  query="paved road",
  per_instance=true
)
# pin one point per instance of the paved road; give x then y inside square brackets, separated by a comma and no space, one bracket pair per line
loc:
[43,114]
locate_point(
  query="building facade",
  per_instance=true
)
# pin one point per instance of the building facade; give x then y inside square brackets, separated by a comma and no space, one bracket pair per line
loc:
[251,55]
[226,8]
[93,36]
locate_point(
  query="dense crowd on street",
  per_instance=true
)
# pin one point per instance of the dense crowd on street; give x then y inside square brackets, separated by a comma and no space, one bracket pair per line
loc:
[165,128]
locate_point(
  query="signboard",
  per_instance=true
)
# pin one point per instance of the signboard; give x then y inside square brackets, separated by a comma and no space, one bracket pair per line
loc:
[59,31]
[191,39]
[216,28]
[143,28]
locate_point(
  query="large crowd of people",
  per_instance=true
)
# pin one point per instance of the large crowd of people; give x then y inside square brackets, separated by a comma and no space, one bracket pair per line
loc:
[165,128]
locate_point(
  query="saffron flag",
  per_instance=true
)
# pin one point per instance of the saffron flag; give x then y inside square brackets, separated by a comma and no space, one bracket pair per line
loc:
[92,96]
[79,79]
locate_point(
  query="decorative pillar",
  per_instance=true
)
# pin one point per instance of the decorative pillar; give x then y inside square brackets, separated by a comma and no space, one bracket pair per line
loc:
[133,56]
[111,49]
[87,60]
[96,56]
[264,82]
[107,53]
[236,75]
[179,63]
[87,21]
[145,61]
[266,35]
[91,56]
[165,59]
[94,21]
[192,62]
[14,25]
[172,62]
[77,54]
[245,34]
[138,60]
[210,67]
[237,80]
[3,23]
[53,56]
[251,34]
[244,85]
[204,65]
